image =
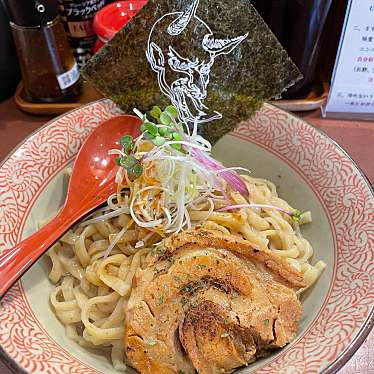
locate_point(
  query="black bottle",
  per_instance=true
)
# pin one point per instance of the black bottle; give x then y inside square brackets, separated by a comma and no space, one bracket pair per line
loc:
[78,18]
[9,69]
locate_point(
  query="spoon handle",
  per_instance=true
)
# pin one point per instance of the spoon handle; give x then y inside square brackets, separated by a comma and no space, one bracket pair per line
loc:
[15,261]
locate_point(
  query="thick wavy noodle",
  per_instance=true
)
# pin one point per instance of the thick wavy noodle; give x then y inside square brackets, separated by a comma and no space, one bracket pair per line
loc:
[93,284]
[266,228]
[91,291]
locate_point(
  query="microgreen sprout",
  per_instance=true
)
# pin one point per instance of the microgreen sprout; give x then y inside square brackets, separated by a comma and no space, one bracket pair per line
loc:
[128,161]
[163,127]
[296,215]
[156,112]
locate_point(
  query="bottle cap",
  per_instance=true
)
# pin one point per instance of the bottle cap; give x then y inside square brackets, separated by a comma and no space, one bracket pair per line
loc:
[31,13]
[110,19]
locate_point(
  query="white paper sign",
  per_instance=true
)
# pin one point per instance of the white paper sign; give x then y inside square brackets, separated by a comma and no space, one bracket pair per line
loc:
[352,88]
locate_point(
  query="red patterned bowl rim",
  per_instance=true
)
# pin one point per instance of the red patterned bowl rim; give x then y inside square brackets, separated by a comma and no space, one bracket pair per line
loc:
[343,355]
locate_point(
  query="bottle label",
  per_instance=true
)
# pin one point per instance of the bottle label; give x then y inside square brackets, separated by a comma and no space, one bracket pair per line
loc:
[81,10]
[68,78]
[82,49]
[80,29]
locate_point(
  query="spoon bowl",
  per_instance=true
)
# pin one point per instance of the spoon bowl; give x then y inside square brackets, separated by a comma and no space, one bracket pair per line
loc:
[90,185]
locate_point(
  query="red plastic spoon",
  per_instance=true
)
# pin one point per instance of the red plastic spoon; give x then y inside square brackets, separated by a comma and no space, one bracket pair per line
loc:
[91,183]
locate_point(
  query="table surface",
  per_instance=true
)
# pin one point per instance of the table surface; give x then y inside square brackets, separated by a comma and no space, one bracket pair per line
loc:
[356,137]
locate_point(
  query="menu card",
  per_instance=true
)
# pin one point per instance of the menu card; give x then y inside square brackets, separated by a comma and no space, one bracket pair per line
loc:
[352,87]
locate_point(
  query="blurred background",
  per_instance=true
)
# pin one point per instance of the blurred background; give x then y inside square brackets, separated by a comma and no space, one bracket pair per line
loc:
[76,29]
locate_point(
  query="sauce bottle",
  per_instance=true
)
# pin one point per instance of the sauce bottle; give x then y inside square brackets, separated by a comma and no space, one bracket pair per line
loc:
[49,70]
[78,18]
[9,68]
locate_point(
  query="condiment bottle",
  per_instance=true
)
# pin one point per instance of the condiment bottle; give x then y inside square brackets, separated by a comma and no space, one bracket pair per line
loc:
[109,20]
[78,17]
[10,73]
[49,70]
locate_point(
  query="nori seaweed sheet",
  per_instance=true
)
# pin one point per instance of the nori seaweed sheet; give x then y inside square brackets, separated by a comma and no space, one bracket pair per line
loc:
[257,70]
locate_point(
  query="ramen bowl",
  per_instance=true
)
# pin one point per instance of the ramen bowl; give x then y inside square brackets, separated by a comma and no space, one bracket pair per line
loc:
[311,172]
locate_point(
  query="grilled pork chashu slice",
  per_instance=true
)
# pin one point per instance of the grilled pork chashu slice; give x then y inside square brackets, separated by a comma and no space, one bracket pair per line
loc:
[210,302]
